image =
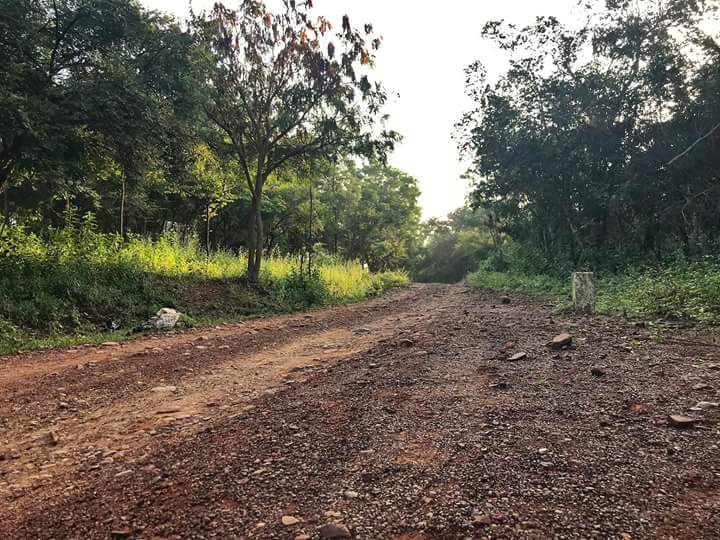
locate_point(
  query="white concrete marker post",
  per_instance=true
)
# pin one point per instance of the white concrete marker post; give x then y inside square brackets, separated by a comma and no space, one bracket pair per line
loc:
[583,291]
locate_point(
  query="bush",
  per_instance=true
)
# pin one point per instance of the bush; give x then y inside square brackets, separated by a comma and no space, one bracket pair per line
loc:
[537,285]
[76,279]
[299,290]
[682,290]
[391,279]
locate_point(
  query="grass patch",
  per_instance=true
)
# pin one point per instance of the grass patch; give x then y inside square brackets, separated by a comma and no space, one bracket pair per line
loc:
[679,291]
[534,285]
[64,288]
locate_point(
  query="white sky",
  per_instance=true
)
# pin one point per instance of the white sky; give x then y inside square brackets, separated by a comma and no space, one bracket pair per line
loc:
[427,45]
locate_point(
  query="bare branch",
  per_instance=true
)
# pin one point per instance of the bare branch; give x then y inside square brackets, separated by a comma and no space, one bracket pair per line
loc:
[693,145]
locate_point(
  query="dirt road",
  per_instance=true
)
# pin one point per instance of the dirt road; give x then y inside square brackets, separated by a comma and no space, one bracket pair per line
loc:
[397,418]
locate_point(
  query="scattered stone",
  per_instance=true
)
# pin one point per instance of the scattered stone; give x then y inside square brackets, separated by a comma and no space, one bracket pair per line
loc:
[334,530]
[289,521]
[517,356]
[350,494]
[333,514]
[543,451]
[119,535]
[560,341]
[547,464]
[53,439]
[704,405]
[164,389]
[406,342]
[714,367]
[481,520]
[169,410]
[302,537]
[598,371]
[702,386]
[110,344]
[63,405]
[505,300]
[682,422]
[499,386]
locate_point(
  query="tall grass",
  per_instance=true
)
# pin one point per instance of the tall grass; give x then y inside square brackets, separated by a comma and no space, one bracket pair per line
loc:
[74,278]
[682,290]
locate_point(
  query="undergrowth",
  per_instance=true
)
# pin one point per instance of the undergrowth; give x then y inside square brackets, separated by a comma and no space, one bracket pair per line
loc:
[681,290]
[74,281]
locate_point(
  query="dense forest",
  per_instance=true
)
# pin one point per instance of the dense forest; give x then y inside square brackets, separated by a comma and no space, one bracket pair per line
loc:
[253,145]
[237,144]
[117,111]
[598,147]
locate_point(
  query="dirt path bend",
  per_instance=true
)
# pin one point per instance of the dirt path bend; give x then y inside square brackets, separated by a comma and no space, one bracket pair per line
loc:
[397,418]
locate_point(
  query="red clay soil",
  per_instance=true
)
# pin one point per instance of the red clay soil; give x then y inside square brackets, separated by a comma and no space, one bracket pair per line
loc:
[397,418]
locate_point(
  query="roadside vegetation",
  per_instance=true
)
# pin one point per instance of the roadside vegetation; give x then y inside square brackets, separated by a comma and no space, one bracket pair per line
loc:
[229,166]
[80,284]
[681,290]
[596,151]
[469,246]
[236,164]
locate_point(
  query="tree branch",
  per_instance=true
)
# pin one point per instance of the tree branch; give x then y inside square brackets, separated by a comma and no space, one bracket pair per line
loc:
[693,145]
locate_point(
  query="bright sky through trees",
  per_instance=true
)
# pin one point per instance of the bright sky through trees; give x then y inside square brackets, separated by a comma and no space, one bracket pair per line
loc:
[427,46]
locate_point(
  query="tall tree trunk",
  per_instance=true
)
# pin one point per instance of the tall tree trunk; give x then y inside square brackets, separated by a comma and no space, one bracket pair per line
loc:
[122,202]
[255,239]
[309,236]
[207,229]
[259,241]
[252,241]
[6,208]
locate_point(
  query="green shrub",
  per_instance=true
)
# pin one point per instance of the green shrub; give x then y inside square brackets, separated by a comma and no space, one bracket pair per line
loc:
[681,290]
[76,280]
[299,290]
[537,285]
[384,281]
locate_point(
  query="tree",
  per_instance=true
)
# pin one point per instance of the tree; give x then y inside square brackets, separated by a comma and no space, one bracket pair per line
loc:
[213,184]
[454,246]
[372,213]
[92,91]
[283,88]
[570,147]
[43,45]
[140,101]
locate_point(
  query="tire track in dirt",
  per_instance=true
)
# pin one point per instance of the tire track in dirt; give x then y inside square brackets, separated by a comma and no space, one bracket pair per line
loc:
[84,409]
[421,429]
